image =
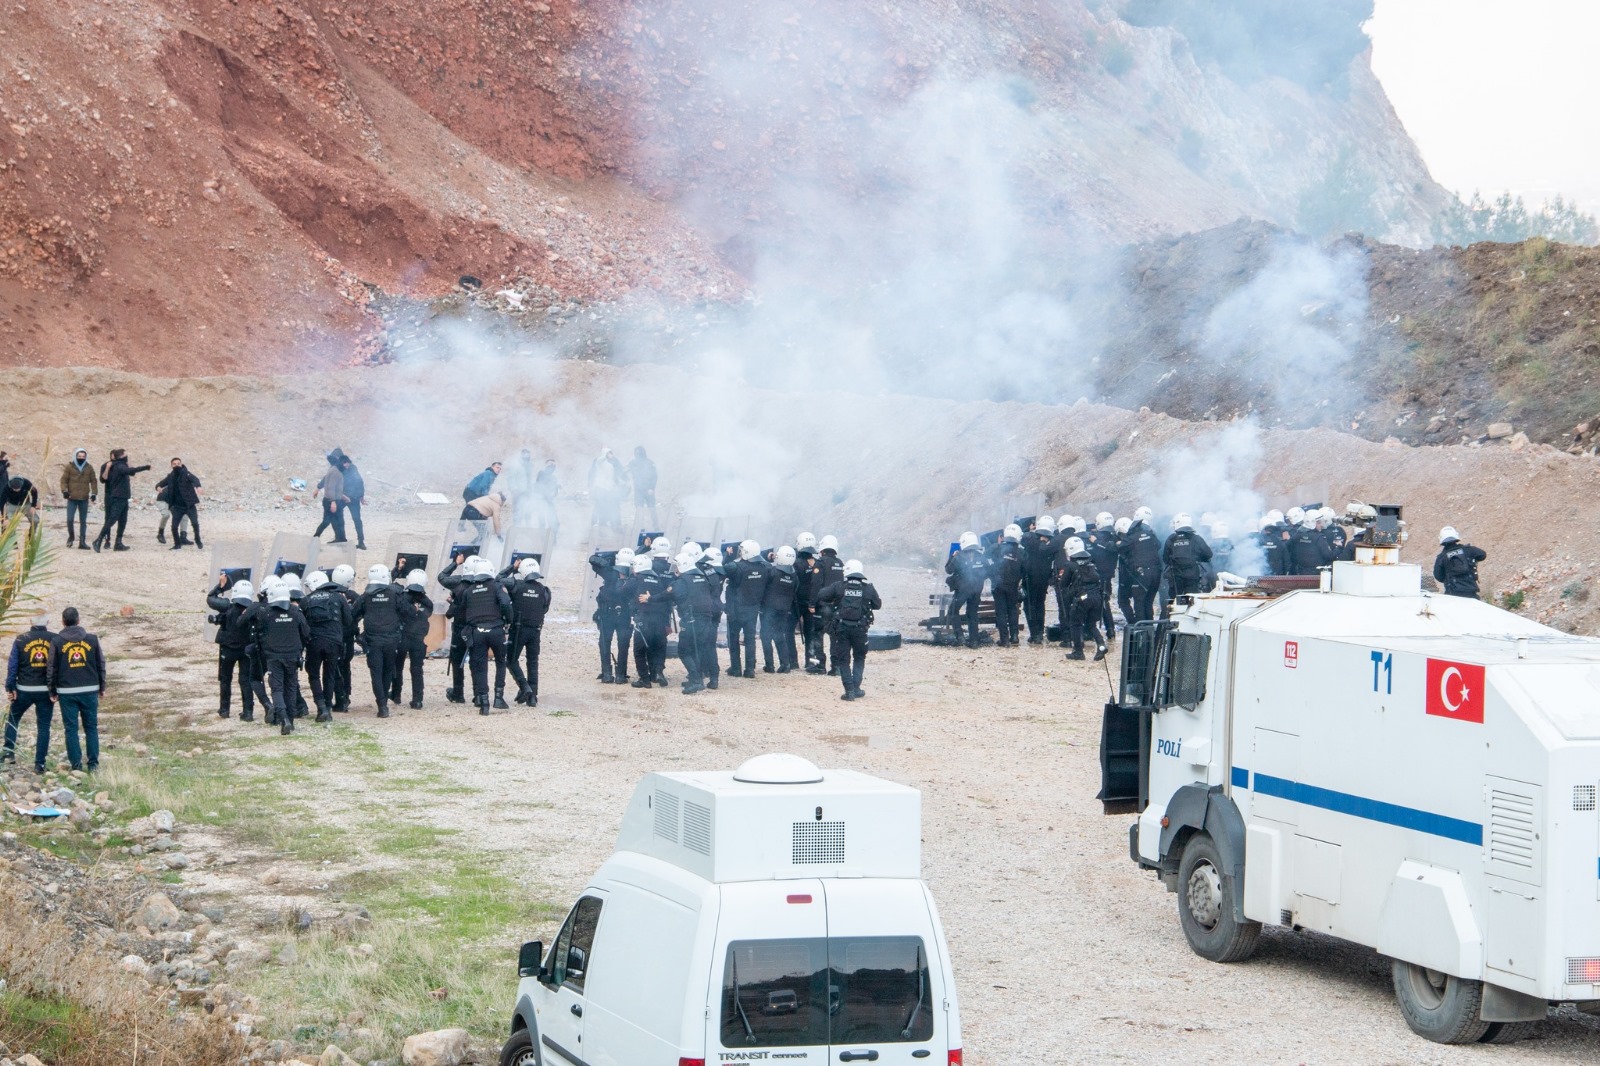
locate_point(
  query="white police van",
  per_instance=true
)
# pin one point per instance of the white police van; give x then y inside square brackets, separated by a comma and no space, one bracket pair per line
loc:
[772,914]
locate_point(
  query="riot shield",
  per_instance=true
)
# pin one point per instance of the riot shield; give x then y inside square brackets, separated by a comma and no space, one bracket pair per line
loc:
[290,553]
[332,555]
[699,528]
[526,542]
[464,537]
[406,552]
[232,560]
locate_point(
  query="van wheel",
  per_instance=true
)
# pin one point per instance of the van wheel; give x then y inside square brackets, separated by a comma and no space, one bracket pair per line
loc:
[519,1050]
[1508,1032]
[1439,1006]
[1205,905]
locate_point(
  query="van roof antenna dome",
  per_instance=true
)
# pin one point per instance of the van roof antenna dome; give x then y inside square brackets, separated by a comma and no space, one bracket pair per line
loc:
[778,768]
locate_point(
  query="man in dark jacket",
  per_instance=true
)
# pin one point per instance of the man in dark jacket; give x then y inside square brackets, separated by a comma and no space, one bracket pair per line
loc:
[1103,544]
[530,602]
[967,570]
[117,476]
[19,493]
[808,586]
[1005,577]
[642,472]
[355,494]
[232,605]
[711,565]
[649,593]
[484,607]
[1185,557]
[413,639]
[1456,566]
[1139,557]
[692,593]
[80,488]
[77,681]
[283,633]
[612,613]
[1039,550]
[183,497]
[1306,549]
[28,685]
[747,587]
[331,489]
[777,612]
[853,601]
[382,611]
[1078,582]
[328,618]
[481,483]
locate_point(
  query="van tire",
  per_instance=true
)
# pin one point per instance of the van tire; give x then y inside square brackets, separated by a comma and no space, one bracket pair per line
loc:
[1508,1032]
[1206,896]
[1438,1006]
[519,1050]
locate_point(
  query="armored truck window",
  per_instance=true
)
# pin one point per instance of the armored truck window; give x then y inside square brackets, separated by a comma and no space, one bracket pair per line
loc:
[569,959]
[879,991]
[775,993]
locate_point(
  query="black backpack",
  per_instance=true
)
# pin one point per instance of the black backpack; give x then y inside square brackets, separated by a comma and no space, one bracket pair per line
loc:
[322,610]
[853,604]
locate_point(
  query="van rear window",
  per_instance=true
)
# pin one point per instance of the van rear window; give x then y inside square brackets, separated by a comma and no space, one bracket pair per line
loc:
[815,991]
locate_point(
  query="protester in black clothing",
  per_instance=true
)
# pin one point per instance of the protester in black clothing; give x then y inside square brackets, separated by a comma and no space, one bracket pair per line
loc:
[967,570]
[232,606]
[612,613]
[530,603]
[331,489]
[1005,578]
[182,490]
[853,601]
[355,493]
[117,476]
[1456,566]
[642,472]
[19,493]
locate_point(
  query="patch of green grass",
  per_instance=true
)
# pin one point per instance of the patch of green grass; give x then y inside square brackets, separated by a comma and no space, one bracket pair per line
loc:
[1576,591]
[1513,601]
[45,1024]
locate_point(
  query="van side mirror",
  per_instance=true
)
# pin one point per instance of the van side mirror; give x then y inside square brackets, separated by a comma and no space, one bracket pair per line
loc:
[530,960]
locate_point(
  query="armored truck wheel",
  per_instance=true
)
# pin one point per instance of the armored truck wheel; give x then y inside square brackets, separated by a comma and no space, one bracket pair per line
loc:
[1205,905]
[519,1050]
[1508,1032]
[1438,1006]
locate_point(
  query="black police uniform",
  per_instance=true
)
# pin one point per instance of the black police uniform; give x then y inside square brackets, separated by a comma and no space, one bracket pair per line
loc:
[967,570]
[233,645]
[382,611]
[1078,583]
[1185,557]
[1102,545]
[697,627]
[283,634]
[777,618]
[1456,568]
[853,600]
[807,586]
[1038,559]
[651,596]
[1139,559]
[1308,551]
[709,664]
[1005,577]
[327,612]
[413,647]
[613,615]
[830,569]
[530,603]
[747,587]
[484,606]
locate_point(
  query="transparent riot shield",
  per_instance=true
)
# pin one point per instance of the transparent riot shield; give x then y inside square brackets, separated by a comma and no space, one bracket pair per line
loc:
[468,538]
[525,542]
[290,553]
[406,552]
[1017,508]
[699,528]
[332,555]
[232,561]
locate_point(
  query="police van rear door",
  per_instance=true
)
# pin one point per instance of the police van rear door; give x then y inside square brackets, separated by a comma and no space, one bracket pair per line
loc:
[887,990]
[770,974]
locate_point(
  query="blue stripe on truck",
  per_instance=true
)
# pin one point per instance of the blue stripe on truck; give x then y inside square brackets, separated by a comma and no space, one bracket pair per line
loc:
[1438,825]
[1241,777]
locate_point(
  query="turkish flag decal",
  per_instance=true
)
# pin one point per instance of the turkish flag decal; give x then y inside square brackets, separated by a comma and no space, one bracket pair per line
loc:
[1455,690]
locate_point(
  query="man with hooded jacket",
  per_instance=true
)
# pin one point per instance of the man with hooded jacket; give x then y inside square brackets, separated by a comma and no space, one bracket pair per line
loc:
[80,488]
[183,497]
[117,477]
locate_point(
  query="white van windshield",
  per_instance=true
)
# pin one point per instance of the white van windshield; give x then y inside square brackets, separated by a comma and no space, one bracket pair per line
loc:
[811,991]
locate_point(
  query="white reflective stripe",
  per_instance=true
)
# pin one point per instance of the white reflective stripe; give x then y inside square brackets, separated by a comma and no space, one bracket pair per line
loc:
[33,688]
[77,691]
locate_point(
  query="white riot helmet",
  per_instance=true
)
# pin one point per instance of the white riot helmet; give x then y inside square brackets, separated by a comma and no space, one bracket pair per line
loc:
[969,539]
[292,581]
[710,556]
[660,547]
[1105,520]
[1295,516]
[1448,535]
[1066,522]
[1074,546]
[1219,530]
[315,580]
[278,593]
[852,568]
[829,543]
[749,549]
[481,568]
[1207,518]
[242,592]
[1012,532]
[1329,514]
[528,568]
[1266,523]
[1274,517]
[688,558]
[1181,520]
[624,558]
[1123,525]
[270,582]
[378,574]
[641,563]
[1143,514]
[417,579]
[343,575]
[805,541]
[784,556]
[1045,524]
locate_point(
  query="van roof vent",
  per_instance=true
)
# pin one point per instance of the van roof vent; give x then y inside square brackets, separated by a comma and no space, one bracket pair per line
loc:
[778,769]
[697,827]
[666,808]
[814,843]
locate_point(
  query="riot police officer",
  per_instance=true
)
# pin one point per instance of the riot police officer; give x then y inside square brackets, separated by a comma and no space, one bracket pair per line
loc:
[1185,558]
[530,603]
[484,607]
[853,601]
[1005,577]
[1456,566]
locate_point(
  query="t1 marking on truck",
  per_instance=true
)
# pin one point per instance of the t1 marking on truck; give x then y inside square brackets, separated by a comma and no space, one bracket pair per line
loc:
[1291,654]
[1385,663]
[1455,690]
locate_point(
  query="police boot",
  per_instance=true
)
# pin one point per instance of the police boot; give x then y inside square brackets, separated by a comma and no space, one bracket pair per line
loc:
[483,704]
[248,715]
[383,710]
[860,694]
[691,687]
[1076,654]
[833,671]
[748,673]
[524,696]
[605,677]
[323,714]
[1099,652]
[500,703]
[198,543]
[849,694]
[661,679]
[643,682]
[222,712]
[454,695]
[416,704]
[286,725]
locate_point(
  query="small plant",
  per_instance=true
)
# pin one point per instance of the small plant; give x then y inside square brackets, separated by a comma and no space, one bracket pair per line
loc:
[1512,601]
[1576,591]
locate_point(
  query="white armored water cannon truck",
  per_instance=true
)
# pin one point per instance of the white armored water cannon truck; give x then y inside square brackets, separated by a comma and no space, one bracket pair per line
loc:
[1416,773]
[774,913]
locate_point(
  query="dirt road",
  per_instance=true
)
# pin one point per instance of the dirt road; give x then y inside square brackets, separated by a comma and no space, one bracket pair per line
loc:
[1064,952]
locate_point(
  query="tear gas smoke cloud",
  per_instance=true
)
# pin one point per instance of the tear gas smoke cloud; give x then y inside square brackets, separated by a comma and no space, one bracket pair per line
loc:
[1217,474]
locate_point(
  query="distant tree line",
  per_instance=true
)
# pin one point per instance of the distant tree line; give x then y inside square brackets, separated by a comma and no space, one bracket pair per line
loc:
[1507,219]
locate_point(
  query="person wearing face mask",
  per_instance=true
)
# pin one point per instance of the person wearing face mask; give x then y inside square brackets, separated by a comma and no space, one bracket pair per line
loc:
[80,488]
[183,498]
[116,475]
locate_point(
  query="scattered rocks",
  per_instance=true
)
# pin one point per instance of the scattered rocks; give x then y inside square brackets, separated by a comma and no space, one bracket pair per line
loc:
[444,1047]
[332,1055]
[146,829]
[1500,430]
[157,912]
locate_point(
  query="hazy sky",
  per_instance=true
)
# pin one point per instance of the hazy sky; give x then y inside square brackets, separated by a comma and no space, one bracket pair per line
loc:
[1498,94]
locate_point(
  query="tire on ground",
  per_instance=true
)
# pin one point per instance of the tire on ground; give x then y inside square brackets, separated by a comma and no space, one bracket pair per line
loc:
[1206,895]
[1508,1032]
[519,1050]
[1438,1006]
[880,639]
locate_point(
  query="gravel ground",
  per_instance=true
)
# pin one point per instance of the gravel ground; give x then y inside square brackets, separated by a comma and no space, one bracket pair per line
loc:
[1064,951]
